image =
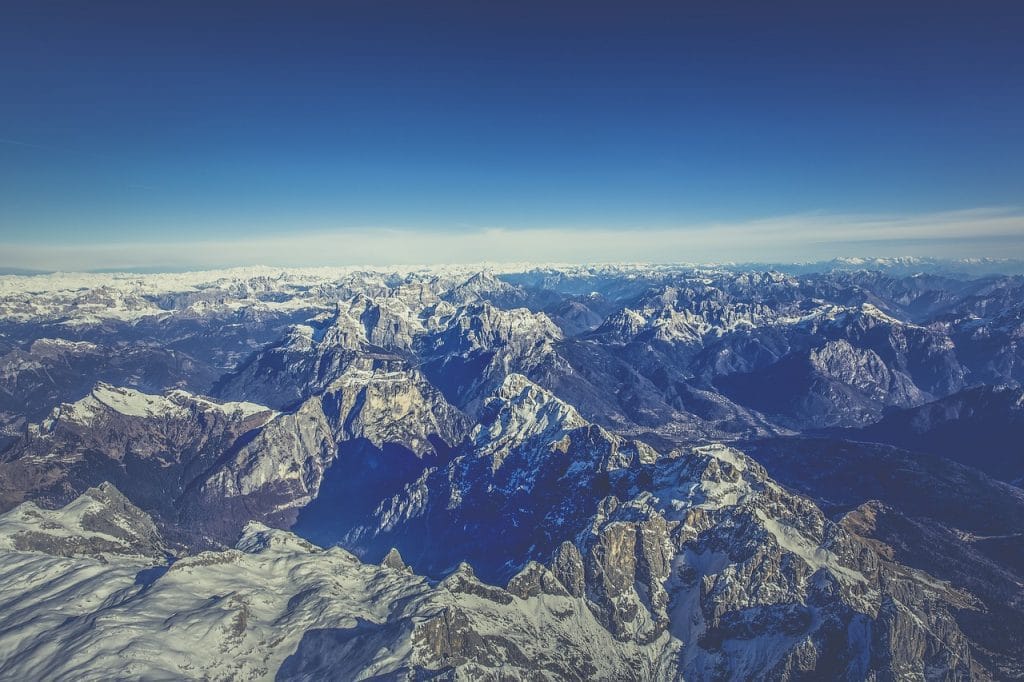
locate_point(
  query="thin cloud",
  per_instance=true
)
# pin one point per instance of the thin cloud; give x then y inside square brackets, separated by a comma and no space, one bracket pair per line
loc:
[969,233]
[20,143]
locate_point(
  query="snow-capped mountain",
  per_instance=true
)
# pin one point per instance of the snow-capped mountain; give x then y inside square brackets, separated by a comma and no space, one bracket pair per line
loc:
[513,472]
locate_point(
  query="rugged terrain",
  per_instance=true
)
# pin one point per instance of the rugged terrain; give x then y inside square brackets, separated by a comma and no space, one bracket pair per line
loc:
[615,472]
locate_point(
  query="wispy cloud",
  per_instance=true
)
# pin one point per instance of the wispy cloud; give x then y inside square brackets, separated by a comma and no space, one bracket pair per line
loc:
[975,232]
[20,143]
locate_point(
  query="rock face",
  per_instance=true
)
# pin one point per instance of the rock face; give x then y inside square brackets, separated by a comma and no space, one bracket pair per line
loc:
[843,368]
[150,446]
[529,471]
[612,472]
[702,546]
[384,405]
[756,581]
[204,468]
[314,354]
[952,521]
[476,346]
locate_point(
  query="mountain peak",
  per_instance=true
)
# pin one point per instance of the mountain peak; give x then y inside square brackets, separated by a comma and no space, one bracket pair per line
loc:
[394,561]
[521,411]
[129,401]
[514,384]
[258,538]
[98,523]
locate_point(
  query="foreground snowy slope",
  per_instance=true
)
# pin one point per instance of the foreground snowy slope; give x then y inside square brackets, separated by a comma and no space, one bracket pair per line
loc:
[717,573]
[277,607]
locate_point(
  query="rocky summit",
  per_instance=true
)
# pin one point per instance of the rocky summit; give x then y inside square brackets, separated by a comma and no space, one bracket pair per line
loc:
[514,473]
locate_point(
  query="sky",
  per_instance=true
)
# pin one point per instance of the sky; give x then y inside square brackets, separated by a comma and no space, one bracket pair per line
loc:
[206,134]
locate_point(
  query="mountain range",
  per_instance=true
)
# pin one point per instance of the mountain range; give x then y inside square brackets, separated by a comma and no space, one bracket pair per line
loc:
[515,472]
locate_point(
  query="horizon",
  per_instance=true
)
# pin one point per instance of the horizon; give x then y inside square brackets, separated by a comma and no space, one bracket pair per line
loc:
[974,266]
[983,233]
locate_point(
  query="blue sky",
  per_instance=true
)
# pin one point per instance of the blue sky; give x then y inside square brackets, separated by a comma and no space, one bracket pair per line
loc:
[180,134]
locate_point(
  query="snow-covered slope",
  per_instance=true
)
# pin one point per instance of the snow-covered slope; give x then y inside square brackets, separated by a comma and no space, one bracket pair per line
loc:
[277,607]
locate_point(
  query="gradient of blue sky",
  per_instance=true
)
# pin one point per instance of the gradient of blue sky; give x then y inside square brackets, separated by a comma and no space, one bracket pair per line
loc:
[143,123]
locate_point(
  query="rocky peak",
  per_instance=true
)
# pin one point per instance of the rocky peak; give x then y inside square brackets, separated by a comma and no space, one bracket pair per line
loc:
[391,403]
[127,402]
[483,325]
[483,286]
[106,402]
[99,523]
[622,326]
[522,412]
[393,560]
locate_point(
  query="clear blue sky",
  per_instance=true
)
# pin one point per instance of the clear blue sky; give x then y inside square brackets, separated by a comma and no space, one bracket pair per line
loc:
[135,123]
